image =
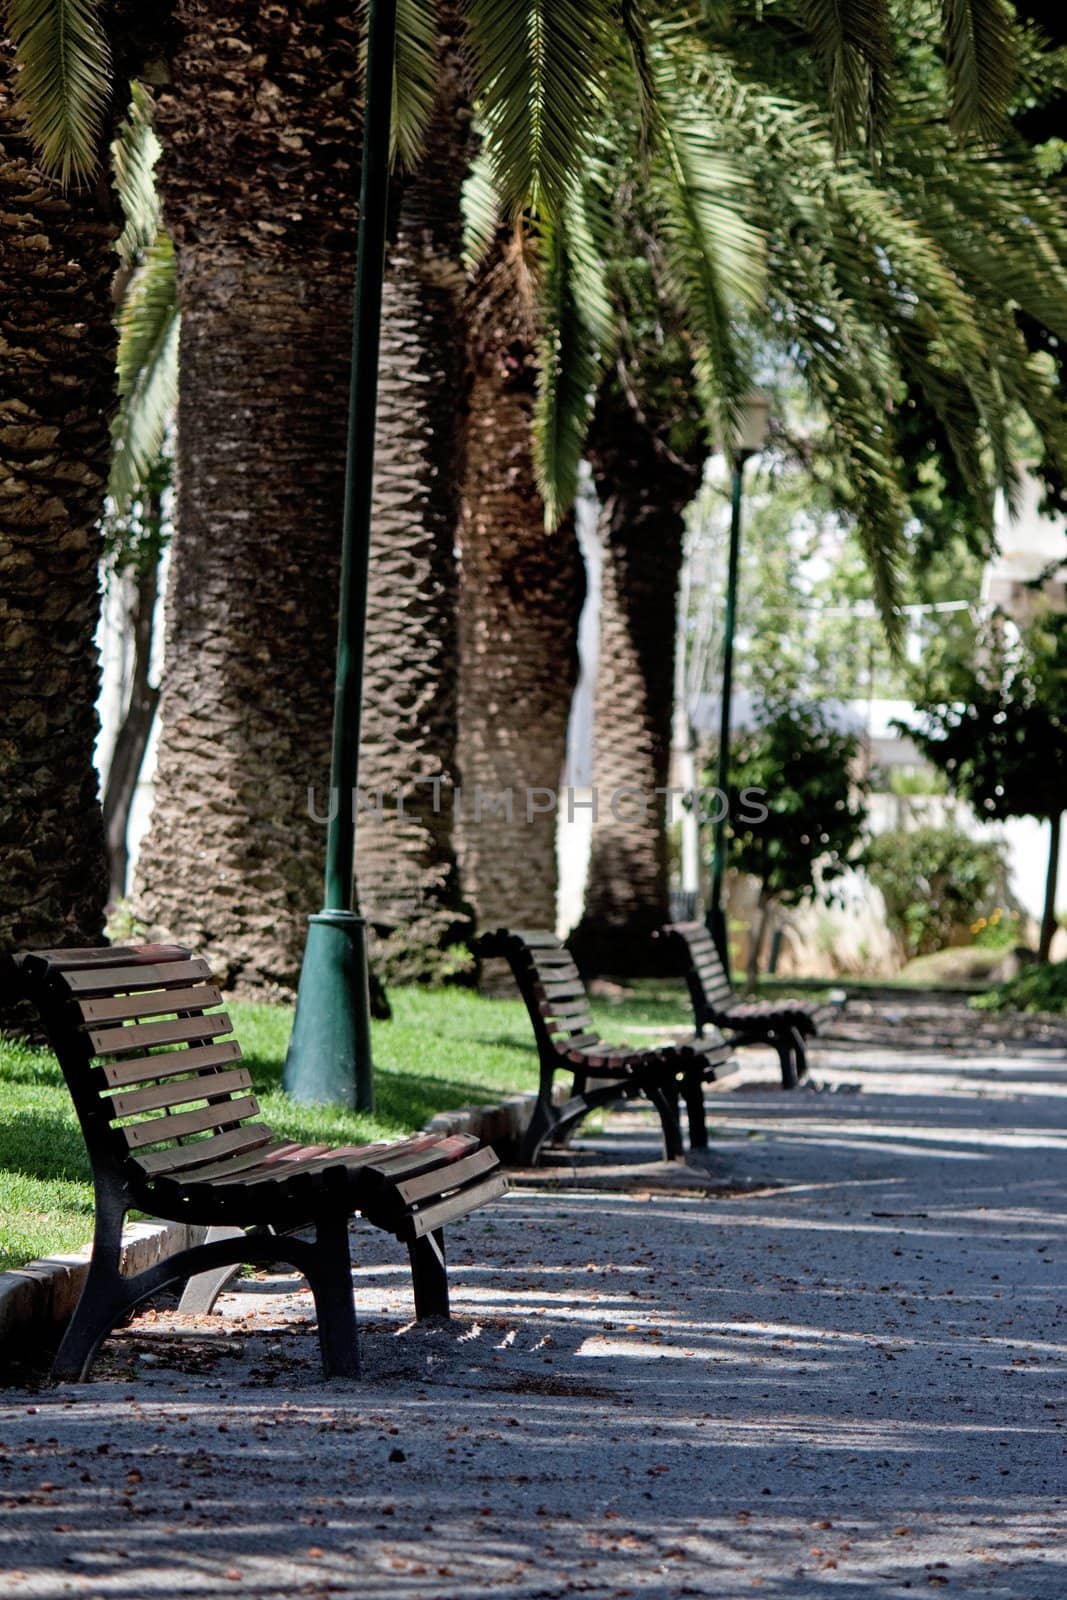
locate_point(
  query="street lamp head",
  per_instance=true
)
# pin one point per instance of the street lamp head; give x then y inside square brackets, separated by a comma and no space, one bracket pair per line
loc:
[750,433]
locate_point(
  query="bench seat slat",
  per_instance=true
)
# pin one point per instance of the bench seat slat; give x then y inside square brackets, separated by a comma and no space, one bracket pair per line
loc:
[121,1074]
[453,1176]
[184,1158]
[112,980]
[202,1086]
[128,1007]
[417,1155]
[157,1129]
[113,1041]
[107,956]
[240,1161]
[427,1219]
[304,1162]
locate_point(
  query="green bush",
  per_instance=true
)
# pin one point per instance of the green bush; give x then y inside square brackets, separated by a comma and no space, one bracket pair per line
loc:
[1041,987]
[934,880]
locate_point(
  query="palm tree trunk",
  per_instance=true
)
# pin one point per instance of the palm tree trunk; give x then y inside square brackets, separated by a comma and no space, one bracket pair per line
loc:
[1048,918]
[57,348]
[520,599]
[263,217]
[406,860]
[643,496]
[135,729]
[232,863]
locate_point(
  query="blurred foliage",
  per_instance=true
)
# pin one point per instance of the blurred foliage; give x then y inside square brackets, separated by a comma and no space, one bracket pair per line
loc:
[803,768]
[1041,987]
[995,720]
[936,881]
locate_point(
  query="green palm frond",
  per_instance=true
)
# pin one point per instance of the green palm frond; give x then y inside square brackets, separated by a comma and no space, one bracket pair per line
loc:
[64,81]
[980,53]
[134,154]
[635,31]
[577,319]
[482,210]
[414,77]
[714,253]
[540,68]
[854,43]
[147,370]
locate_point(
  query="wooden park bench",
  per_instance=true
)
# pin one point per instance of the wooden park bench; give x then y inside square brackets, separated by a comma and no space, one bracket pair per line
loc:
[786,1025]
[567,1041]
[172,1128]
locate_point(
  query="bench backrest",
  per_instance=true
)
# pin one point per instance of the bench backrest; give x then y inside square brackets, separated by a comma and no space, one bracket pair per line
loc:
[155,1079]
[550,984]
[708,984]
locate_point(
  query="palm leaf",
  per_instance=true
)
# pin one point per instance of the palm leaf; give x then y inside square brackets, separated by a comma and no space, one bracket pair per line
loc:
[980,54]
[714,253]
[539,69]
[414,78]
[134,154]
[577,321]
[64,81]
[853,41]
[482,209]
[147,371]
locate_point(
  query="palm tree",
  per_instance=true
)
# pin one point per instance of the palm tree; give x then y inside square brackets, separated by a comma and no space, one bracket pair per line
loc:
[262,223]
[520,600]
[56,271]
[646,467]
[406,863]
[867,273]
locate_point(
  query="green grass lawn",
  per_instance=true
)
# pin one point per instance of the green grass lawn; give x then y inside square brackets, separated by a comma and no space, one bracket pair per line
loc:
[443,1049]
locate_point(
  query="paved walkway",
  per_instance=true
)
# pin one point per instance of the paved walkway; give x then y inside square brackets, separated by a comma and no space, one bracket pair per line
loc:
[845,1380]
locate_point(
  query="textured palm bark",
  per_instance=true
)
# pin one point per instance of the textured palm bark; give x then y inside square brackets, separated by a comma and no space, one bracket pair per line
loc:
[406,861]
[521,592]
[643,496]
[260,130]
[57,347]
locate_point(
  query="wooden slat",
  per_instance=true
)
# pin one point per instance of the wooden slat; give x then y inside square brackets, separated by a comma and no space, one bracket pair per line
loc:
[536,938]
[157,1129]
[119,1074]
[563,1010]
[203,1086]
[115,1041]
[246,1163]
[562,989]
[114,980]
[453,1176]
[584,1041]
[557,972]
[107,956]
[128,1007]
[429,1218]
[182,1158]
[434,1153]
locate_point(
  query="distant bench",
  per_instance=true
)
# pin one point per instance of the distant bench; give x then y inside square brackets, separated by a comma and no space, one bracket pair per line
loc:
[786,1025]
[172,1127]
[567,1041]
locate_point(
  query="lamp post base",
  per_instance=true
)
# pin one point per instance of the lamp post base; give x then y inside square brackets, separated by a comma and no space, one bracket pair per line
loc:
[329,1058]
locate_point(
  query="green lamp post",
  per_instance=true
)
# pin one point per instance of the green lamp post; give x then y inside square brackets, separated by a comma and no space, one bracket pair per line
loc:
[329,1059]
[748,440]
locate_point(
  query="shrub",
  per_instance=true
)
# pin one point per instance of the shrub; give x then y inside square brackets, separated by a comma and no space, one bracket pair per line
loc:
[934,880]
[1042,987]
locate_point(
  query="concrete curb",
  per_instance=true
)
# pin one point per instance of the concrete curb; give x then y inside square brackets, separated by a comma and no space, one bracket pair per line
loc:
[501,1125]
[37,1299]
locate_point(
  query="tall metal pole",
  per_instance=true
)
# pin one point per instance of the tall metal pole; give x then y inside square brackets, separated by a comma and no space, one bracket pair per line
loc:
[329,1059]
[716,913]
